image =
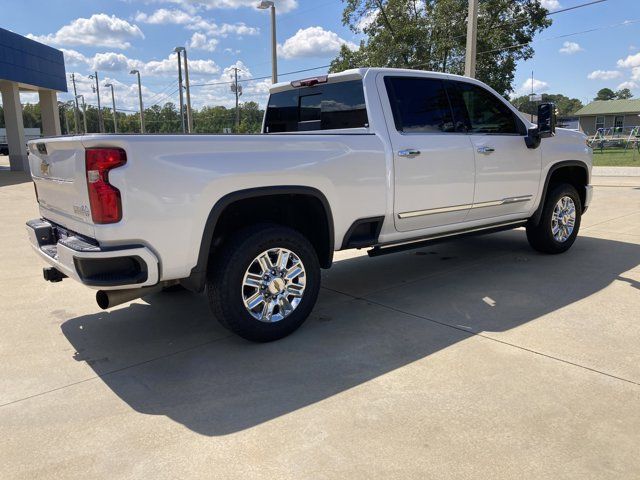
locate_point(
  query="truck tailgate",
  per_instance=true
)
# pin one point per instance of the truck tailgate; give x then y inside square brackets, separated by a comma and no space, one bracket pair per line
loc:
[58,170]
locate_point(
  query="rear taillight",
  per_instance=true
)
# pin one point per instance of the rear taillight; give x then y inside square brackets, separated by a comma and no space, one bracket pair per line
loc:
[106,206]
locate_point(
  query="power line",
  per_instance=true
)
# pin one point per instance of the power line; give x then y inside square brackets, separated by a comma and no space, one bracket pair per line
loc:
[258,78]
[575,7]
[626,22]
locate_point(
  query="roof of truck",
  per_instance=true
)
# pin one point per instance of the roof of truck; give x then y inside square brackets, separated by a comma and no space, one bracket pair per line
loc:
[355,73]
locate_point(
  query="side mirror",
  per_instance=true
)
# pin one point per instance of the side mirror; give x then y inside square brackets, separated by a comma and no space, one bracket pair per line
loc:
[546,120]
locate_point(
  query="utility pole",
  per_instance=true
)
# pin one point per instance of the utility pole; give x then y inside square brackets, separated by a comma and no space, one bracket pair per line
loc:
[186,79]
[531,94]
[75,104]
[97,91]
[472,36]
[237,89]
[177,50]
[237,108]
[113,101]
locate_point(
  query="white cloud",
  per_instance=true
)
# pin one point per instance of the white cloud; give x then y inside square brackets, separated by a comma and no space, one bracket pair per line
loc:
[217,90]
[282,6]
[74,58]
[313,42]
[169,65]
[164,16]
[569,48]
[635,74]
[539,86]
[118,62]
[112,62]
[550,4]
[367,19]
[604,75]
[201,42]
[630,85]
[629,62]
[100,30]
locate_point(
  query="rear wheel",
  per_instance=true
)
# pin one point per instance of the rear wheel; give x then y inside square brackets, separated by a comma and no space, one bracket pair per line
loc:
[559,223]
[264,282]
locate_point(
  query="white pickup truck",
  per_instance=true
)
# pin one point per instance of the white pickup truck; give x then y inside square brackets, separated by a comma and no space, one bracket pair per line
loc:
[381,158]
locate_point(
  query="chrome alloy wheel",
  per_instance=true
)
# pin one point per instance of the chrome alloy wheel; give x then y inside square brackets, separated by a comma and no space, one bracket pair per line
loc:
[563,219]
[273,285]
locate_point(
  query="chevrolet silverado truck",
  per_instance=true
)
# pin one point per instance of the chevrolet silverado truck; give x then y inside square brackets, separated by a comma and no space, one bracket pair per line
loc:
[385,159]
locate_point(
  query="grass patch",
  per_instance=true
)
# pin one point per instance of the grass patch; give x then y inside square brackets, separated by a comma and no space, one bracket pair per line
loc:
[616,157]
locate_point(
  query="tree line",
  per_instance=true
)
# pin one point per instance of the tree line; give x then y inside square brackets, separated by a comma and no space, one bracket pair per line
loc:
[157,119]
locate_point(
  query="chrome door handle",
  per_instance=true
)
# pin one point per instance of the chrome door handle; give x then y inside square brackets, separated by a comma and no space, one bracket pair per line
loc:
[486,150]
[408,152]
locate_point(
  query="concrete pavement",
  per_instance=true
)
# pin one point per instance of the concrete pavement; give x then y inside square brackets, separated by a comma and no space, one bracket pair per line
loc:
[477,358]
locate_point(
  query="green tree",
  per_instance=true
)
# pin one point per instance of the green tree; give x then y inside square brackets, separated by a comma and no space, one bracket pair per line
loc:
[566,106]
[605,94]
[624,94]
[431,35]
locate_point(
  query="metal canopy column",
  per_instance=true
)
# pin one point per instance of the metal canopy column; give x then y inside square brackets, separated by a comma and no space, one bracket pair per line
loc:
[14,125]
[49,113]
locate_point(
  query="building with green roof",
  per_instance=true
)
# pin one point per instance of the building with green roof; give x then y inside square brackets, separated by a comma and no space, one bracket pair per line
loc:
[621,114]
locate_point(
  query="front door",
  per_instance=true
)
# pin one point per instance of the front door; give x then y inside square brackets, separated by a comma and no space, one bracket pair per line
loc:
[507,172]
[433,157]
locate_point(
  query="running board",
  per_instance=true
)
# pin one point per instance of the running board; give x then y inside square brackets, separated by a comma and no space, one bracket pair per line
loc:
[441,237]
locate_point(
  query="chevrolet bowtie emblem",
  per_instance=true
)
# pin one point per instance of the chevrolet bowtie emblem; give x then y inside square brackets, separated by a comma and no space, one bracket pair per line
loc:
[44,168]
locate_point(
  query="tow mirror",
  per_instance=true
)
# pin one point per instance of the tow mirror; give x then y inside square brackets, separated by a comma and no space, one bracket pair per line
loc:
[546,120]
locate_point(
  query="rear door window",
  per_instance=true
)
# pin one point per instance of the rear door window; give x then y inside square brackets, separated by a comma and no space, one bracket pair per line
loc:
[321,107]
[421,105]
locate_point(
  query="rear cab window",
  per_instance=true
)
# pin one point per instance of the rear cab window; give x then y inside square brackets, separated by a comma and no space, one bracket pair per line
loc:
[328,106]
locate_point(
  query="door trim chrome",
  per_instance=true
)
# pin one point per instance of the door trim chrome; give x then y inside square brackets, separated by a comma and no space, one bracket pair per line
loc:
[457,208]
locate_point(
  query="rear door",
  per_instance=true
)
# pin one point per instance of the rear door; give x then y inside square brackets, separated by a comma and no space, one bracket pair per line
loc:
[507,172]
[58,171]
[433,156]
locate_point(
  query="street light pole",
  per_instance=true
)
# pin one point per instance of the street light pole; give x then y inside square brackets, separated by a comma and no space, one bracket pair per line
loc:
[472,36]
[136,72]
[97,87]
[178,50]
[113,101]
[263,5]
[84,112]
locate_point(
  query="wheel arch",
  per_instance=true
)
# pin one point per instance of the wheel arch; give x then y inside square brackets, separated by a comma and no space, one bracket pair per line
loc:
[574,172]
[286,193]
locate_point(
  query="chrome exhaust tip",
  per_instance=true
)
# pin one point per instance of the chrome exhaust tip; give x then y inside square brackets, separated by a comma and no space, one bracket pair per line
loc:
[110,298]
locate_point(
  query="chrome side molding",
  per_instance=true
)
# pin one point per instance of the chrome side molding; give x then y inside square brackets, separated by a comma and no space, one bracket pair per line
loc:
[456,208]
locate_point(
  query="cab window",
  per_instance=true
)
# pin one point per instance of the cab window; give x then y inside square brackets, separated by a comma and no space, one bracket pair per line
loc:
[420,105]
[485,112]
[321,107]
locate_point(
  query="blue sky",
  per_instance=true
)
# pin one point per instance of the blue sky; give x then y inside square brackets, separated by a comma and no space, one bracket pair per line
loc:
[118,35]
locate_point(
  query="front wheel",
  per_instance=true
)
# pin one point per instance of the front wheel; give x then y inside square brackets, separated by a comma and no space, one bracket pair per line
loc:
[264,282]
[559,223]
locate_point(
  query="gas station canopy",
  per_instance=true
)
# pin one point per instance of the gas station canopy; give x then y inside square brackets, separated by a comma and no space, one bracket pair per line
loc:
[27,65]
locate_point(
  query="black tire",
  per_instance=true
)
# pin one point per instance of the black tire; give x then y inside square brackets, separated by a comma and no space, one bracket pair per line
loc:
[225,281]
[540,236]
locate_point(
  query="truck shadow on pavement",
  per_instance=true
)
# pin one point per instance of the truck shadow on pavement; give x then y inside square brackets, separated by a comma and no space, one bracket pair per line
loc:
[8,178]
[168,358]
